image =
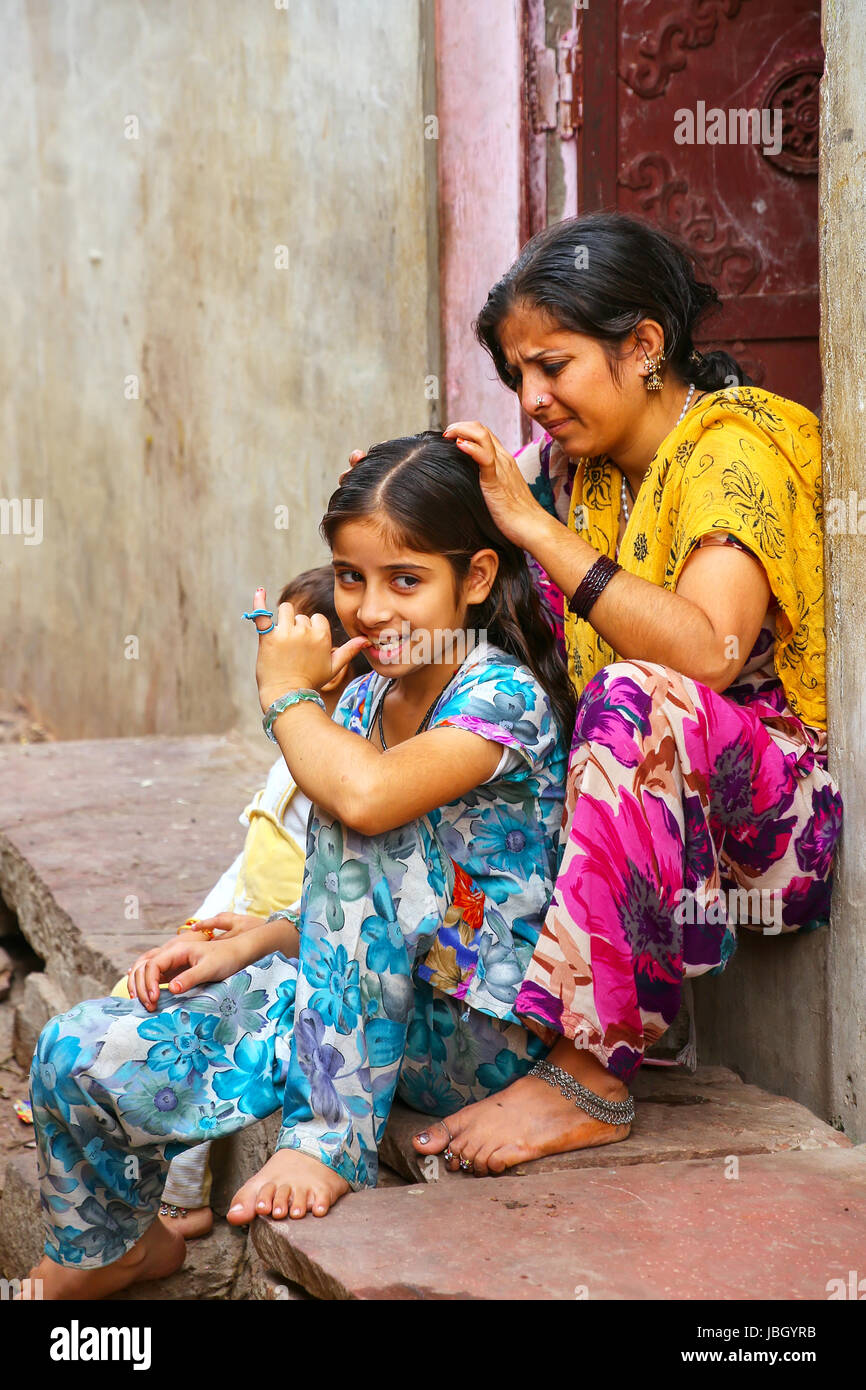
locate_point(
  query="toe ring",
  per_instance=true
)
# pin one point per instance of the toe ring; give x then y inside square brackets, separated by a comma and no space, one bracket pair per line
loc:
[465,1164]
[447,1154]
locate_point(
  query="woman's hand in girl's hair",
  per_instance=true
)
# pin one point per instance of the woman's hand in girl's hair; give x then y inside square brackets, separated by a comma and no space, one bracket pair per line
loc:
[506,492]
[298,654]
[185,961]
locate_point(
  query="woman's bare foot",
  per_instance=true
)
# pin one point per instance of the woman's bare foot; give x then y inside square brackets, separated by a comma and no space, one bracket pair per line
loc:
[197,1222]
[158,1254]
[290,1184]
[527,1120]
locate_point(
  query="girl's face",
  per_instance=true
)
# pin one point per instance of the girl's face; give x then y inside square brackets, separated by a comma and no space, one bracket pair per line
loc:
[404,601]
[584,408]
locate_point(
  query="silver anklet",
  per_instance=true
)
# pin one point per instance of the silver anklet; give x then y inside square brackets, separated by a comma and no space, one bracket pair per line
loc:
[610,1112]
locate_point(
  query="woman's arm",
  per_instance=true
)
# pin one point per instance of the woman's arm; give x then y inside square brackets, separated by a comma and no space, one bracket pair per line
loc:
[706,629]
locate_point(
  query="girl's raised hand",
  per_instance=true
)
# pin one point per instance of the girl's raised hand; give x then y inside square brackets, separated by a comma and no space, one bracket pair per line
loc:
[506,491]
[297,654]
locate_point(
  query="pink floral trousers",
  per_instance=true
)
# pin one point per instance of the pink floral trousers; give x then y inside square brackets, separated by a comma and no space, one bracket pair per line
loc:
[687,814]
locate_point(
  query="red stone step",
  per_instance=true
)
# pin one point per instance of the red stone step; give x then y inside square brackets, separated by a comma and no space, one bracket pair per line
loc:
[785,1227]
[107,845]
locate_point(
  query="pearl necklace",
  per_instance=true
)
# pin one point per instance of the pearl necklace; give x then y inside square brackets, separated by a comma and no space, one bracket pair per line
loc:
[623,493]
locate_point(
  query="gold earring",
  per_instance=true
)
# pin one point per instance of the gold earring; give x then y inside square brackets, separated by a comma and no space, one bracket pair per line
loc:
[653,377]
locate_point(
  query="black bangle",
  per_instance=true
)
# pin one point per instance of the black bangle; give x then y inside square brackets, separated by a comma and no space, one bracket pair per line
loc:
[597,577]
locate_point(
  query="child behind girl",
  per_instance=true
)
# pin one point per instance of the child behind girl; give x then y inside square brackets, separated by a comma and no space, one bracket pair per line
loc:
[437,796]
[265,877]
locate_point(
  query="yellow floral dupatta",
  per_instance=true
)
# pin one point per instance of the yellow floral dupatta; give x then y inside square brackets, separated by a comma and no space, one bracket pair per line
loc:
[743,461]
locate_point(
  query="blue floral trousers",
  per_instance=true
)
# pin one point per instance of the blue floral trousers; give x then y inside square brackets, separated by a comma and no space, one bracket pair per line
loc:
[117,1092]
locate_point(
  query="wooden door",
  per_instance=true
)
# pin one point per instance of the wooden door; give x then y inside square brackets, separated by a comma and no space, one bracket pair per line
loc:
[615,137]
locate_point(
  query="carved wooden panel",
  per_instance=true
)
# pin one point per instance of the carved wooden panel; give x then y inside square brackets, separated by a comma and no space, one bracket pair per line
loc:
[747,203]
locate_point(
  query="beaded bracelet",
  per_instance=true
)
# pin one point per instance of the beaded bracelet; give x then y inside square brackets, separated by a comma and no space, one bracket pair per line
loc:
[290,914]
[597,577]
[285,702]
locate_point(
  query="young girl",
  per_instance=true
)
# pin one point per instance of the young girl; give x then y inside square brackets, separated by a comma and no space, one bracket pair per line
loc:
[264,879]
[431,852]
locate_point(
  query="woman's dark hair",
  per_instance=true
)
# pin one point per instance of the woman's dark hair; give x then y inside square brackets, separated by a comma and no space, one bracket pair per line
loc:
[431,495]
[600,275]
[313,592]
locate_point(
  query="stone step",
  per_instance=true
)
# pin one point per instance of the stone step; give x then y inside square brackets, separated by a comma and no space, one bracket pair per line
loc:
[221,1265]
[215,1267]
[783,1228]
[107,845]
[679,1115]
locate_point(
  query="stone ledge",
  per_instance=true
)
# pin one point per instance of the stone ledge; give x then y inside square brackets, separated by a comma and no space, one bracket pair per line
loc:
[86,826]
[781,1230]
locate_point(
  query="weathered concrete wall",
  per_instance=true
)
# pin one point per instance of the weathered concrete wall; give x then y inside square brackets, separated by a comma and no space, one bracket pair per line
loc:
[791,1013]
[165,384]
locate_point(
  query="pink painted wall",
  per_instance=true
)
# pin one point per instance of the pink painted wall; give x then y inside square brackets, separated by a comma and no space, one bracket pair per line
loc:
[478,73]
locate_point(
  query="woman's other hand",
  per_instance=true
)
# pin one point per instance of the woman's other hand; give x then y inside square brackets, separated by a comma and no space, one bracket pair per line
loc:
[506,492]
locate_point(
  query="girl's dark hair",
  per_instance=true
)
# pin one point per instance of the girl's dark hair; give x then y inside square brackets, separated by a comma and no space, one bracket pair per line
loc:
[431,495]
[600,275]
[313,592]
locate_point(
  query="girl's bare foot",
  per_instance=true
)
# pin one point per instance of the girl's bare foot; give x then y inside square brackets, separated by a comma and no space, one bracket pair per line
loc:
[197,1222]
[527,1120]
[290,1184]
[158,1254]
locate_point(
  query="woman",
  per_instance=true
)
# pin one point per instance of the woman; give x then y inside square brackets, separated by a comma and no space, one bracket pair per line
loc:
[678,510]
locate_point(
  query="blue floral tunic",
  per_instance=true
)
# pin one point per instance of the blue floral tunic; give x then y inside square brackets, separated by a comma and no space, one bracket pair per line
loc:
[470,883]
[414,945]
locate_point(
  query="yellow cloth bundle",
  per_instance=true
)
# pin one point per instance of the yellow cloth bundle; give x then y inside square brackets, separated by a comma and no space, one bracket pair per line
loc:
[743,461]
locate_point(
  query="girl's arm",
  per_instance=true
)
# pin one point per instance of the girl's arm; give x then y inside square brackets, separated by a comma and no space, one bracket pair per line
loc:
[365,788]
[372,791]
[706,629]
[186,961]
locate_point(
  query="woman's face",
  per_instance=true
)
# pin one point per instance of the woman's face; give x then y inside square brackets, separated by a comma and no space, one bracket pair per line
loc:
[586,410]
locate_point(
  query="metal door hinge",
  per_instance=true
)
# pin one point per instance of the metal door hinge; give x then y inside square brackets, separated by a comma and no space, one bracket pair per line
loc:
[555,83]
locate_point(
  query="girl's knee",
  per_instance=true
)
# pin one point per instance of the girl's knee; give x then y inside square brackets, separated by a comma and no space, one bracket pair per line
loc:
[52,1034]
[616,704]
[68,1040]
[47,1065]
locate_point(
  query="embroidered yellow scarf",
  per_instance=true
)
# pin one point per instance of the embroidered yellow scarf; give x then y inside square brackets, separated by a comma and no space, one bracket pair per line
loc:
[743,461]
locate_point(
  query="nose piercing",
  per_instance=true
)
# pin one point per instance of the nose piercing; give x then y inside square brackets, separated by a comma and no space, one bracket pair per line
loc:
[539,400]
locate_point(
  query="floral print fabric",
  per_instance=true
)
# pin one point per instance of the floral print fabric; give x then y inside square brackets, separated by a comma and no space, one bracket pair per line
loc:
[471,881]
[674,790]
[117,1092]
[414,945]
[742,460]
